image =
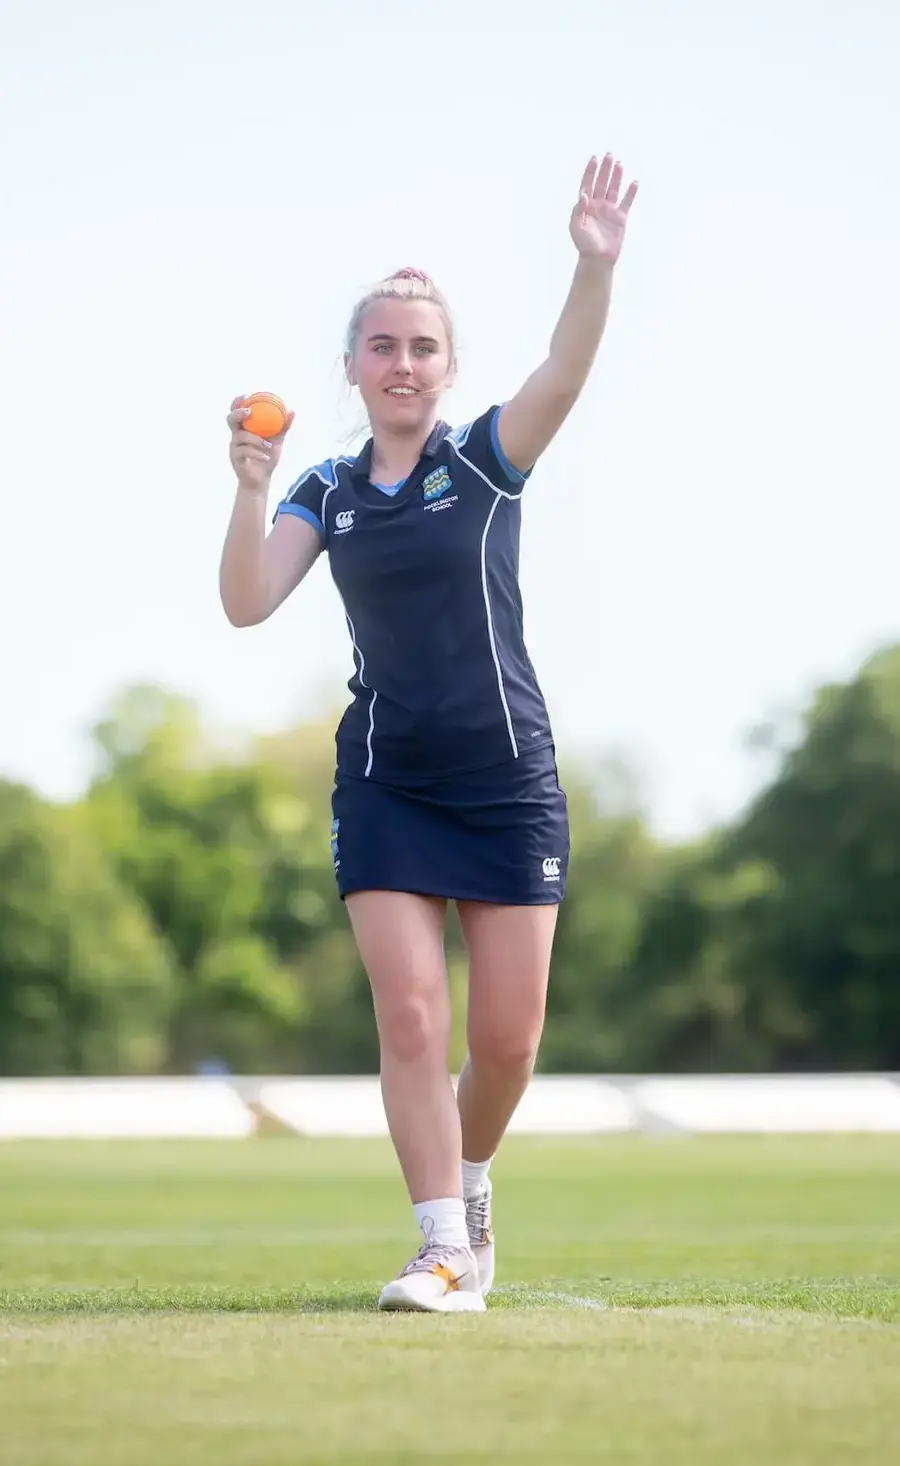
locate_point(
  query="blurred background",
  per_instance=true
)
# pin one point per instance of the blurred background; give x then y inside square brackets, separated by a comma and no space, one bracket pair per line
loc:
[193,199]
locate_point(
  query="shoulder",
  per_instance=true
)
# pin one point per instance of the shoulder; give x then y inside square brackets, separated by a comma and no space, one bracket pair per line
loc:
[477,445]
[307,494]
[324,475]
[474,430]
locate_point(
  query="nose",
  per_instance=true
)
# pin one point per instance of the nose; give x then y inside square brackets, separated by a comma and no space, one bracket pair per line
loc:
[403,362]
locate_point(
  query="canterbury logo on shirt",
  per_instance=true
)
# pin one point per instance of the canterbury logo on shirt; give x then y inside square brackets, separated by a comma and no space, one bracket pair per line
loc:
[343,521]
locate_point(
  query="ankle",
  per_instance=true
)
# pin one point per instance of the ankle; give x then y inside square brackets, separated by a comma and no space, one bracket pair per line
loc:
[475,1177]
[443,1221]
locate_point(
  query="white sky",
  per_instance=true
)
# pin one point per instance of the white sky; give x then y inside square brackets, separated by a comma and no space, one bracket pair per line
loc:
[194,193]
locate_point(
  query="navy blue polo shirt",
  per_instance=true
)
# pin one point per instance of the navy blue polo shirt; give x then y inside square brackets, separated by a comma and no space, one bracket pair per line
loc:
[428,573]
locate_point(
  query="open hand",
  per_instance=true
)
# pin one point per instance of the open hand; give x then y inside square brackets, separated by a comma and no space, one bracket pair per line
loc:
[598,219]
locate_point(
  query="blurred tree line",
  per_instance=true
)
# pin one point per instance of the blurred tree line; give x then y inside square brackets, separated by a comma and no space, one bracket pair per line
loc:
[184,910]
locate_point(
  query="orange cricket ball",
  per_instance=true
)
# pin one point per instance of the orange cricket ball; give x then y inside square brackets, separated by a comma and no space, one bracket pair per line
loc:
[268,414]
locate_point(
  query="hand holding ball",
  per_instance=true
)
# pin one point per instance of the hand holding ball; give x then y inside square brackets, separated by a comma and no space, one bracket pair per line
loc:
[258,424]
[268,415]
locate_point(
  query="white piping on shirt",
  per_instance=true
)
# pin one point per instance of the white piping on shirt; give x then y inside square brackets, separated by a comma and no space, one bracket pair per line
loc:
[364,683]
[330,479]
[498,495]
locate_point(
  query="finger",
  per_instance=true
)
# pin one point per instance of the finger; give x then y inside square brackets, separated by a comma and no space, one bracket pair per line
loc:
[236,416]
[601,182]
[237,402]
[630,196]
[587,179]
[253,439]
[615,183]
[582,208]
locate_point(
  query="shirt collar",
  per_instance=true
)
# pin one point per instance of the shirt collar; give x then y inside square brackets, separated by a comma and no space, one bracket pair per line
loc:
[363,465]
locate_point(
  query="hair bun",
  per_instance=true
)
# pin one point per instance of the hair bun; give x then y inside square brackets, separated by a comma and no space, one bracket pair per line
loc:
[410,273]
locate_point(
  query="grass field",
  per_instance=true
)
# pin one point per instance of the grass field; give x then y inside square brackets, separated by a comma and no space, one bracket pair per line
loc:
[660,1300]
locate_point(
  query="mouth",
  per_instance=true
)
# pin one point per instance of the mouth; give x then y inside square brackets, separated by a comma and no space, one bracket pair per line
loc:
[402,391]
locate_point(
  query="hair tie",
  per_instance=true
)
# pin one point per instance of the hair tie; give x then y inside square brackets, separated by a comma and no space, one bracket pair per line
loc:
[409,273]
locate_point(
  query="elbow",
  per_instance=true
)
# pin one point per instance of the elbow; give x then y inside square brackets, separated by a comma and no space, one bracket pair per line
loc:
[243,605]
[241,616]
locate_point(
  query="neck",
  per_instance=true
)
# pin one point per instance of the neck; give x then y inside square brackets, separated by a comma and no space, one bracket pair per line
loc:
[395,455]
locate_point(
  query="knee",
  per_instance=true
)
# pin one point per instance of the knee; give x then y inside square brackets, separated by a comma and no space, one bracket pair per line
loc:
[415,1028]
[505,1051]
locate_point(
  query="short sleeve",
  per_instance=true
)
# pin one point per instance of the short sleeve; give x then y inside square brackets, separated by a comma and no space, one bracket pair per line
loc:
[478,444]
[304,497]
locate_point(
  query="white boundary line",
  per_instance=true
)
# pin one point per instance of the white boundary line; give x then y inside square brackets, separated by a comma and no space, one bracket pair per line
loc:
[743,1316]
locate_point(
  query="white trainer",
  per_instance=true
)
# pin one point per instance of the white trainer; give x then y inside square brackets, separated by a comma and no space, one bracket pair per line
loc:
[439,1279]
[481,1235]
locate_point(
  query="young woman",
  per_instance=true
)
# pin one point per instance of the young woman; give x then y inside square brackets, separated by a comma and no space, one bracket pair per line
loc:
[446,785]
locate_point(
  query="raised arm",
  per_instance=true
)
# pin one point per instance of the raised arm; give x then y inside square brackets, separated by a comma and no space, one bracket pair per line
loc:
[257,572]
[531,419]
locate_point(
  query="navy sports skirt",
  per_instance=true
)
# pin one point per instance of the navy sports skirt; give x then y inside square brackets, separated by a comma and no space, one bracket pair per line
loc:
[499,835]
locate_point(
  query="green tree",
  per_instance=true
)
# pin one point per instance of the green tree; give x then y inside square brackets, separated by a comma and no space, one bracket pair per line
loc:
[86,985]
[218,848]
[776,943]
[829,826]
[698,996]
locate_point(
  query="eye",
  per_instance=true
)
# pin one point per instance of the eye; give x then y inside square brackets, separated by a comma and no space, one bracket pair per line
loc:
[382,346]
[425,348]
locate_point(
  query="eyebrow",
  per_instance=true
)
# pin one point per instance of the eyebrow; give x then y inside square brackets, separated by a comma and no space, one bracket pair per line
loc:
[384,336]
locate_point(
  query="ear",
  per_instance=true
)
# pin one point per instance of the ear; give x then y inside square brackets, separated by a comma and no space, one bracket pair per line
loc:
[348,369]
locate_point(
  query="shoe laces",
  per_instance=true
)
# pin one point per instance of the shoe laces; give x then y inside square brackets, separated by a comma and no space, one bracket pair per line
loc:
[478,1215]
[431,1255]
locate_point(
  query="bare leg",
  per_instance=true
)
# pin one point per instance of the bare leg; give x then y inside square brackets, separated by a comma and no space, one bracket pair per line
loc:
[400,938]
[509,964]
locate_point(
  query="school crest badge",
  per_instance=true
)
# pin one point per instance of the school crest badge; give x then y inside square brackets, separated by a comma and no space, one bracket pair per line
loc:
[436,484]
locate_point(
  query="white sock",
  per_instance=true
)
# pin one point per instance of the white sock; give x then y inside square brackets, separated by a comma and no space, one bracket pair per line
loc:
[443,1221]
[474,1177]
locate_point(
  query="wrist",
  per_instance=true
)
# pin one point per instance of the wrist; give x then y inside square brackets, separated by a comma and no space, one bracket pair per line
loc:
[253,490]
[595,267]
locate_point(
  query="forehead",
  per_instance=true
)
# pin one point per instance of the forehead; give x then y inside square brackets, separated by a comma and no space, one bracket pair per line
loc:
[403,319]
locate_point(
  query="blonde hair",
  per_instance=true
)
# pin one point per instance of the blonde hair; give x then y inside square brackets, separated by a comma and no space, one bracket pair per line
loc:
[405,284]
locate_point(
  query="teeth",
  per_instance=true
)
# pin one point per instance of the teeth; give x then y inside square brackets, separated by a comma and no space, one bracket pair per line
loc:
[402,391]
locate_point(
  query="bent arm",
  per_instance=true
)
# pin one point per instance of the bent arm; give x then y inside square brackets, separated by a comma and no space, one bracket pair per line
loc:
[527,424]
[258,572]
